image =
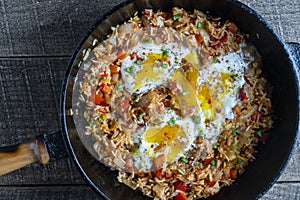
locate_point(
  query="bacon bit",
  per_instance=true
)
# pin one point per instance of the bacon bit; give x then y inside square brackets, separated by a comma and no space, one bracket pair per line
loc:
[233,173]
[211,184]
[114,69]
[199,38]
[158,173]
[264,136]
[182,186]
[243,95]
[237,110]
[125,104]
[248,81]
[223,39]
[231,27]
[98,98]
[180,196]
[208,160]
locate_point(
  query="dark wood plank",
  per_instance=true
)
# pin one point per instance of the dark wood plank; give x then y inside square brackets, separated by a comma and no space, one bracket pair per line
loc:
[47,193]
[36,27]
[278,192]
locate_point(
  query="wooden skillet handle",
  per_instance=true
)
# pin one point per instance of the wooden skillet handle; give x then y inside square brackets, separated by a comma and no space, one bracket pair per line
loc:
[18,156]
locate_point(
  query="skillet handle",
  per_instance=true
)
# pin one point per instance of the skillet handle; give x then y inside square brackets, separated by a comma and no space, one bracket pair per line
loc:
[48,147]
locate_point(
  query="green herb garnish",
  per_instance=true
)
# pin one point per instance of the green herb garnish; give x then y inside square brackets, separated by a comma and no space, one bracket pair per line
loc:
[197,119]
[234,132]
[102,78]
[200,25]
[140,118]
[100,120]
[139,62]
[171,121]
[184,159]
[235,147]
[185,93]
[119,87]
[215,145]
[165,51]
[138,98]
[215,60]
[177,16]
[239,161]
[150,40]
[164,65]
[213,162]
[91,124]
[130,70]
[259,133]
[92,80]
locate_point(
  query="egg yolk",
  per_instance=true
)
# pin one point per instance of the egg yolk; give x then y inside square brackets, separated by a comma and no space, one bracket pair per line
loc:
[170,136]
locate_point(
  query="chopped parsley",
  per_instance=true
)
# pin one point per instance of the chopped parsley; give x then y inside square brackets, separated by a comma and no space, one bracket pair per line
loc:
[138,98]
[177,16]
[213,162]
[184,159]
[185,93]
[119,87]
[171,121]
[150,40]
[239,161]
[215,60]
[234,132]
[100,120]
[139,62]
[200,25]
[215,145]
[165,51]
[259,133]
[164,65]
[197,119]
[140,118]
[130,70]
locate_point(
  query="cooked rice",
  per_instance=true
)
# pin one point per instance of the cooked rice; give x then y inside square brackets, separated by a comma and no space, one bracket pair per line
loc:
[205,172]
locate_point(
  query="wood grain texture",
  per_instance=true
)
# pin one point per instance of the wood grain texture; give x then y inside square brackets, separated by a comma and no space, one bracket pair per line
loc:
[37,38]
[38,27]
[74,192]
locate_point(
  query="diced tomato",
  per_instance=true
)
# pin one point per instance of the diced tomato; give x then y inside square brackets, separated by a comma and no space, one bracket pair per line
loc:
[180,196]
[158,173]
[98,98]
[114,69]
[125,104]
[243,95]
[182,186]
[103,104]
[164,15]
[233,173]
[223,39]
[199,38]
[207,161]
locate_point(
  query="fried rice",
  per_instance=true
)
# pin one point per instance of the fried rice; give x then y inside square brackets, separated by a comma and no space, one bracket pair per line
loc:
[113,114]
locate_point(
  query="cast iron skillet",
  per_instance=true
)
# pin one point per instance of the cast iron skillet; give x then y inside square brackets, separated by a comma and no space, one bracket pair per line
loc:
[281,63]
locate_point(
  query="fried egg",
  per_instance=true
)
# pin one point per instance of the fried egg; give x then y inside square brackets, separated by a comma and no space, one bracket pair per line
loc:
[212,91]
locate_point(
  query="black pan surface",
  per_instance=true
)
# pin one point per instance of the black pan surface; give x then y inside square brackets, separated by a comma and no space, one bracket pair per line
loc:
[271,158]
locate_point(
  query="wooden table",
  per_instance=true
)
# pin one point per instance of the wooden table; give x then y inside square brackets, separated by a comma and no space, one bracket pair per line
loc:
[37,38]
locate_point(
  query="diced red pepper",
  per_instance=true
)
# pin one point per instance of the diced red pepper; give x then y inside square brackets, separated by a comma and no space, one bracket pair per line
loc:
[199,38]
[223,39]
[207,161]
[158,173]
[125,104]
[243,95]
[180,196]
[182,186]
[105,88]
[98,98]
[114,69]
[233,173]
[211,184]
